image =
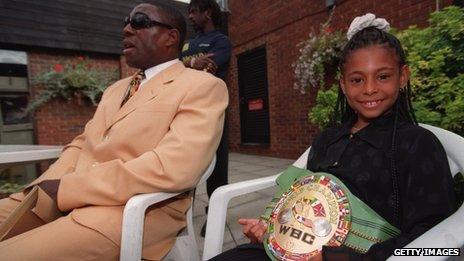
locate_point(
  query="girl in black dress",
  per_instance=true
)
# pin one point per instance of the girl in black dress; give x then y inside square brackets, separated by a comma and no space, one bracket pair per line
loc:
[379,152]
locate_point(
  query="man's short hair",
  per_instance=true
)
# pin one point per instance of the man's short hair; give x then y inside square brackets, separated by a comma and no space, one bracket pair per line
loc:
[203,5]
[173,17]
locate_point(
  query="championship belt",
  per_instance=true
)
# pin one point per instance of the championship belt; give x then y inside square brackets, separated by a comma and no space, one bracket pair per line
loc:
[318,210]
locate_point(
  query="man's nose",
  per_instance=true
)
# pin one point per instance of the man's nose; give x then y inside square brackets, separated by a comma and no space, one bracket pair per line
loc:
[127,30]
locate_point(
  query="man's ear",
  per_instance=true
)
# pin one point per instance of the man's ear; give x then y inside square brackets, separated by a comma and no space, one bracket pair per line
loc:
[173,38]
[405,72]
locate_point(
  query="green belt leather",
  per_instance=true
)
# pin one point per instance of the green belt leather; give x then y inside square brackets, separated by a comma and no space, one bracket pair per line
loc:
[366,226]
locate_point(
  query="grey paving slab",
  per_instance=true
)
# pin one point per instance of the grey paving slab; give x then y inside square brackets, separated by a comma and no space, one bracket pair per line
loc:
[201,189]
[269,171]
[201,201]
[242,176]
[242,167]
[250,168]
[277,163]
[247,200]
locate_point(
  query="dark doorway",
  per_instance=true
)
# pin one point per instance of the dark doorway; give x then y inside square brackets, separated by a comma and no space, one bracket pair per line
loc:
[253,95]
[15,124]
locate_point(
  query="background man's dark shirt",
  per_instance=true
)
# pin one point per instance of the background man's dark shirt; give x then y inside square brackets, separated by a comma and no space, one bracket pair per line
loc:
[210,42]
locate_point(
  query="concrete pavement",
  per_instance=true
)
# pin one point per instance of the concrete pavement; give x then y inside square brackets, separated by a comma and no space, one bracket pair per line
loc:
[241,167]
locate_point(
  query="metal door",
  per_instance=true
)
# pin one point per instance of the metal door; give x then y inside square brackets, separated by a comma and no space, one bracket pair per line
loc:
[253,95]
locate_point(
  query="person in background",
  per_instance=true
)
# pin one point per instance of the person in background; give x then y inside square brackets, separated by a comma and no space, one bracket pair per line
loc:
[156,131]
[210,51]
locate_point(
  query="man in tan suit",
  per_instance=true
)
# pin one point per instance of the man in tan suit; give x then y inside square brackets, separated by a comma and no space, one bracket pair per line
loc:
[161,139]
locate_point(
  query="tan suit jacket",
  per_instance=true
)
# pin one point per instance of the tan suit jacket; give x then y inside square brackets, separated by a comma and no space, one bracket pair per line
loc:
[162,139]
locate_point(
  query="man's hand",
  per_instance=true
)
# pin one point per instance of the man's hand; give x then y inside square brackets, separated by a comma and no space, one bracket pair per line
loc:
[253,228]
[204,63]
[50,187]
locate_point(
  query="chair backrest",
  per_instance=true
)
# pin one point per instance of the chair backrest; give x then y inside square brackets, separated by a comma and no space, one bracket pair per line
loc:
[450,232]
[208,171]
[186,247]
[454,147]
[453,144]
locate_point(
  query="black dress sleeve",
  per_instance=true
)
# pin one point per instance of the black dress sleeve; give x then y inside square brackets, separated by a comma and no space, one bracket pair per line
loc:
[426,195]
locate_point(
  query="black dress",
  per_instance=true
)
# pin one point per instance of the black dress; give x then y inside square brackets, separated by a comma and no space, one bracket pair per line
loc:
[363,162]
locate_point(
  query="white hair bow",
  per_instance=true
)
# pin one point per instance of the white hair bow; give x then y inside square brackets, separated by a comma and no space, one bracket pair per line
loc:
[365,21]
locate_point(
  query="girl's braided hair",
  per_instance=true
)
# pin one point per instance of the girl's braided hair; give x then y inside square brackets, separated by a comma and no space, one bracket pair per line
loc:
[402,108]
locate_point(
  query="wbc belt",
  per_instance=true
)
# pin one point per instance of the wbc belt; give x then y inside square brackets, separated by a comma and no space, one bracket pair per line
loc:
[317,209]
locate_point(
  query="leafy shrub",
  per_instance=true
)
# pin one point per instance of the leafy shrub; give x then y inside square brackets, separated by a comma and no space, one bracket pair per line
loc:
[73,80]
[322,113]
[436,58]
[8,187]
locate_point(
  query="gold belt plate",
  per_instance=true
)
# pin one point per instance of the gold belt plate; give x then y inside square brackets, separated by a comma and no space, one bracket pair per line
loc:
[314,212]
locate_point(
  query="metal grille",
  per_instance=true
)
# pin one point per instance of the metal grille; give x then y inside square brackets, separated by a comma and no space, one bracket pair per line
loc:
[254,100]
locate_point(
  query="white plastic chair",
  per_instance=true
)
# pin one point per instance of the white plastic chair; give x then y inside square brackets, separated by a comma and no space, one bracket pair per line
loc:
[449,233]
[185,247]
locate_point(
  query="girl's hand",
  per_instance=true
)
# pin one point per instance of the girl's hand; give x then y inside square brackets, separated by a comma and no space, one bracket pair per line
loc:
[317,257]
[253,228]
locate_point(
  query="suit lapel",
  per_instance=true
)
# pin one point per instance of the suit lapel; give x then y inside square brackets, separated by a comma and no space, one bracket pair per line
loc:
[150,90]
[115,100]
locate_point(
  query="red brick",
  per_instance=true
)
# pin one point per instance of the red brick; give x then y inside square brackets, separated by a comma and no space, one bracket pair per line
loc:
[280,26]
[59,121]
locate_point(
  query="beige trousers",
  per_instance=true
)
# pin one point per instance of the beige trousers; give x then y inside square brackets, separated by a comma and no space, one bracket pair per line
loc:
[61,239]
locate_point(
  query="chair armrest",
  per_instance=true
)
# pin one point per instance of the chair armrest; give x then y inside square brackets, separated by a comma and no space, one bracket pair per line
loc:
[219,201]
[217,213]
[134,217]
[133,221]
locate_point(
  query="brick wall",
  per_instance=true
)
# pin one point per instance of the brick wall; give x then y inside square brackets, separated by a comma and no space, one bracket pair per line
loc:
[59,121]
[280,26]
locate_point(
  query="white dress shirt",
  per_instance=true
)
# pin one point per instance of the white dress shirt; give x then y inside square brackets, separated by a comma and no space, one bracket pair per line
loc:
[152,71]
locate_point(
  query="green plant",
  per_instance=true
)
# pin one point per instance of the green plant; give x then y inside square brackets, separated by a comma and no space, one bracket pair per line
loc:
[436,58]
[9,187]
[72,80]
[318,54]
[321,113]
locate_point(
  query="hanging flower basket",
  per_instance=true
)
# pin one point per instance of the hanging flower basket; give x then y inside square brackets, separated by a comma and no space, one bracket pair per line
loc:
[319,56]
[78,80]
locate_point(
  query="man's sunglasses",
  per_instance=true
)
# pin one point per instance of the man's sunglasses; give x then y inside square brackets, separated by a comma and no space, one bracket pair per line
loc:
[141,20]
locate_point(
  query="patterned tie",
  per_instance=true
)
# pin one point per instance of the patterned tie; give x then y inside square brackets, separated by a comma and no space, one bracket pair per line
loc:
[133,86]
